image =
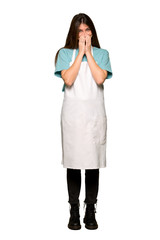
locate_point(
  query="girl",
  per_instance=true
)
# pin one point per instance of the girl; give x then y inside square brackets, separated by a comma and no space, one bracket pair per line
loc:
[83,66]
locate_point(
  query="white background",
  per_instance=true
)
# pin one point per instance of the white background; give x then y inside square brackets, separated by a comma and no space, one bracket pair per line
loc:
[33,190]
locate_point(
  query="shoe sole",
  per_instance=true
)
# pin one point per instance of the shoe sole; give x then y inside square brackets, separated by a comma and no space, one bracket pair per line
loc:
[74,227]
[91,227]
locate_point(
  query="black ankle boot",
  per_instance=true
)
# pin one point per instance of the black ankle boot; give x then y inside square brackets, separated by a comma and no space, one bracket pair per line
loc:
[89,219]
[74,221]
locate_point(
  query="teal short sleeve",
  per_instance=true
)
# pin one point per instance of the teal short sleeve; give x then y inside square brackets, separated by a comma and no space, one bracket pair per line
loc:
[105,63]
[62,62]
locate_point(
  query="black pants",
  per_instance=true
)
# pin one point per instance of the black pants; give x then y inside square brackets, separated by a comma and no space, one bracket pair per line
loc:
[91,185]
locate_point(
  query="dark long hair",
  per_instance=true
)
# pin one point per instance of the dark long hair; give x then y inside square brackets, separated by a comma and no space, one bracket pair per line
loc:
[72,37]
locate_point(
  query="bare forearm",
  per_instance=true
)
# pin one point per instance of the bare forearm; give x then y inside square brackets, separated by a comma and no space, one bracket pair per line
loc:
[71,73]
[98,74]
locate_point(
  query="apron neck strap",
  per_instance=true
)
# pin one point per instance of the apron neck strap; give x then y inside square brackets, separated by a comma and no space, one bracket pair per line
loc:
[92,50]
[73,56]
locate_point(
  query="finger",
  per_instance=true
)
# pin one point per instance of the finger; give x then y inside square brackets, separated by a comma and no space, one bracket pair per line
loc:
[88,40]
[88,37]
[82,41]
[82,37]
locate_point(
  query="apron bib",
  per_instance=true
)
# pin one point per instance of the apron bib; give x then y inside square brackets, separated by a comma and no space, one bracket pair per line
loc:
[83,122]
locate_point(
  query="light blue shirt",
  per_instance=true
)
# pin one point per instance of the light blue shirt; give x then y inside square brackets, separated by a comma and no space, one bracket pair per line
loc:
[101,56]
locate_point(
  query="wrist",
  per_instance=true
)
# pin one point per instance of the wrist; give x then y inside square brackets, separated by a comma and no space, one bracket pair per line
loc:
[88,52]
[80,53]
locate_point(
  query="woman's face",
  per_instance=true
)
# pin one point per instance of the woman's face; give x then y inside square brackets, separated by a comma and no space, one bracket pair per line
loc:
[84,30]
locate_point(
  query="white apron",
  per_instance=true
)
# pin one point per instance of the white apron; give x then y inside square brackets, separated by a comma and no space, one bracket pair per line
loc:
[83,122]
